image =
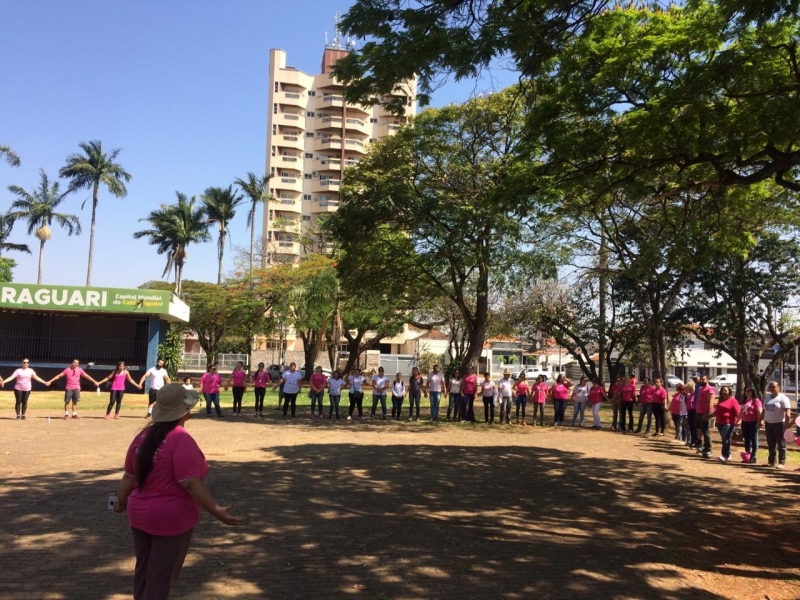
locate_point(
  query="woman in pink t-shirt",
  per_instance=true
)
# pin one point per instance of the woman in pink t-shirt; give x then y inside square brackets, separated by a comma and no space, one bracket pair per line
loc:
[469,387]
[539,397]
[750,418]
[163,497]
[238,383]
[260,380]
[727,414]
[210,383]
[597,394]
[118,379]
[22,387]
[317,383]
[659,401]
[560,394]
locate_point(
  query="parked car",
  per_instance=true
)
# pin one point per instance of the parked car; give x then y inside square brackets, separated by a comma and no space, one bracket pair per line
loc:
[729,380]
[275,372]
[531,373]
[673,381]
[326,372]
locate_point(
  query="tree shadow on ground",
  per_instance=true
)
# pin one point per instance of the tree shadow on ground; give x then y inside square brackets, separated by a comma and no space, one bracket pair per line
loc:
[413,521]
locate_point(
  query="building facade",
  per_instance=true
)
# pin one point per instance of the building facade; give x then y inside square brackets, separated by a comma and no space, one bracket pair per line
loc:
[313,135]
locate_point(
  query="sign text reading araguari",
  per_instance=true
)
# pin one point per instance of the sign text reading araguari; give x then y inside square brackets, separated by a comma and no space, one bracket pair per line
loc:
[61,297]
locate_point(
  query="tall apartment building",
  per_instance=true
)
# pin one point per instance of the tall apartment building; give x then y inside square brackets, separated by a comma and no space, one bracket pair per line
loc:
[312,137]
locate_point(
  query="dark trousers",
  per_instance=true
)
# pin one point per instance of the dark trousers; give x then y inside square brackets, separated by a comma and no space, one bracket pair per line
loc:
[413,399]
[21,401]
[316,398]
[626,407]
[521,401]
[212,399]
[750,434]
[397,406]
[560,407]
[468,407]
[334,400]
[704,429]
[726,432]
[115,398]
[454,404]
[658,413]
[382,399]
[775,442]
[538,408]
[645,409]
[238,394]
[691,418]
[159,559]
[356,401]
[615,418]
[488,409]
[287,400]
[260,392]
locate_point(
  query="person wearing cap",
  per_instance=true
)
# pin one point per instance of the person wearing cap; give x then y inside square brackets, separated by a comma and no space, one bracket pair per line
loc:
[505,389]
[163,497]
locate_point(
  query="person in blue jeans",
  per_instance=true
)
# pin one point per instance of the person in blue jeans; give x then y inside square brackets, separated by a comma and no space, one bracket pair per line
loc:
[434,387]
[380,383]
[727,414]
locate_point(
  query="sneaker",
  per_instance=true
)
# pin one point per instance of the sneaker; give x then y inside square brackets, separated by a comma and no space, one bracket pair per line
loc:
[753,460]
[66,417]
[723,459]
[349,418]
[19,417]
[781,466]
[75,416]
[116,417]
[105,417]
[22,418]
[384,417]
[770,464]
[708,455]
[337,417]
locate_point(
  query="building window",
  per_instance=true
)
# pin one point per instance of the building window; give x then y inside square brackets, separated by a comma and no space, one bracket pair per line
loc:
[309,134]
[309,113]
[272,170]
[312,93]
[276,86]
[306,196]
[309,155]
[306,218]
[273,151]
[307,176]
[275,109]
[373,120]
[274,130]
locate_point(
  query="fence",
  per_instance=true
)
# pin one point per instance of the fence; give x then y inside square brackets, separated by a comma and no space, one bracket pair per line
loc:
[196,361]
[398,363]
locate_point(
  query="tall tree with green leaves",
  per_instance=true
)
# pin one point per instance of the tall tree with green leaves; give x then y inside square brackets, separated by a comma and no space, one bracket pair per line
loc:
[38,208]
[89,169]
[461,207]
[255,189]
[6,225]
[8,154]
[219,205]
[172,228]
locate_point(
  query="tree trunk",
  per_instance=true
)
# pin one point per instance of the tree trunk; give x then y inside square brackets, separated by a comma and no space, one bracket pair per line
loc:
[95,191]
[220,253]
[252,237]
[41,261]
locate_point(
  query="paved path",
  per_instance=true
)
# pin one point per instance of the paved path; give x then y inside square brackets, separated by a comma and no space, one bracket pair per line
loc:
[398,511]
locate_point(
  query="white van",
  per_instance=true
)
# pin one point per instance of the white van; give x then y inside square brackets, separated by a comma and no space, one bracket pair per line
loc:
[532,373]
[730,380]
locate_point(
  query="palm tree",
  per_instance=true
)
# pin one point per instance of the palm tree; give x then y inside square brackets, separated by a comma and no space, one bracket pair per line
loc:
[6,225]
[9,155]
[220,207]
[174,227]
[254,187]
[38,209]
[89,170]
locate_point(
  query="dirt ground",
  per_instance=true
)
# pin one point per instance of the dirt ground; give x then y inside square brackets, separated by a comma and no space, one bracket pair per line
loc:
[384,510]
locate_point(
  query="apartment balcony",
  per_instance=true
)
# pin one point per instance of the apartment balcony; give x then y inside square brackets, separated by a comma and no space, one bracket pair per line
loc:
[324,206]
[295,142]
[323,164]
[283,182]
[292,160]
[329,101]
[386,129]
[290,98]
[293,120]
[283,247]
[286,205]
[325,185]
[351,125]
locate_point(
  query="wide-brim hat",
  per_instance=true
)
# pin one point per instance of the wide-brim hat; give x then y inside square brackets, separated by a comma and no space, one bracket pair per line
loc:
[173,401]
[507,372]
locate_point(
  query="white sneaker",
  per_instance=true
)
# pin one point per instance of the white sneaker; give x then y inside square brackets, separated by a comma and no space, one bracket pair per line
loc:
[349,418]
[723,459]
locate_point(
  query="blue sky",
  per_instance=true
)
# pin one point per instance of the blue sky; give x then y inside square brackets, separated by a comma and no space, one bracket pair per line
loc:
[180,87]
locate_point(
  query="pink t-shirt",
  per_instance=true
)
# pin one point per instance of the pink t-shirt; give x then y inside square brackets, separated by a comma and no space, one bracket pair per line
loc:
[596,394]
[163,507]
[750,410]
[646,394]
[238,378]
[209,384]
[675,404]
[540,392]
[522,389]
[628,392]
[73,377]
[470,385]
[118,383]
[727,411]
[704,399]
[261,379]
[318,381]
[560,392]
[659,396]
[24,377]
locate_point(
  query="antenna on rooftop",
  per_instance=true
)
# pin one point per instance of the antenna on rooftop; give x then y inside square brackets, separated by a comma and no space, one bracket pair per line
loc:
[337,37]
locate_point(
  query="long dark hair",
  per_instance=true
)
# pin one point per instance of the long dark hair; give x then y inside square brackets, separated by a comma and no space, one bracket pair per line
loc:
[156,433]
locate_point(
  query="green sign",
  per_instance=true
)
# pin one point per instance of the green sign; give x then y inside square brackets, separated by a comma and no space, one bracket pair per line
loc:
[67,298]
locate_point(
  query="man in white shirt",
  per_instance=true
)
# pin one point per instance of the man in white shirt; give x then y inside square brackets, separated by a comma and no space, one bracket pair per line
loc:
[505,387]
[156,377]
[777,411]
[434,388]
